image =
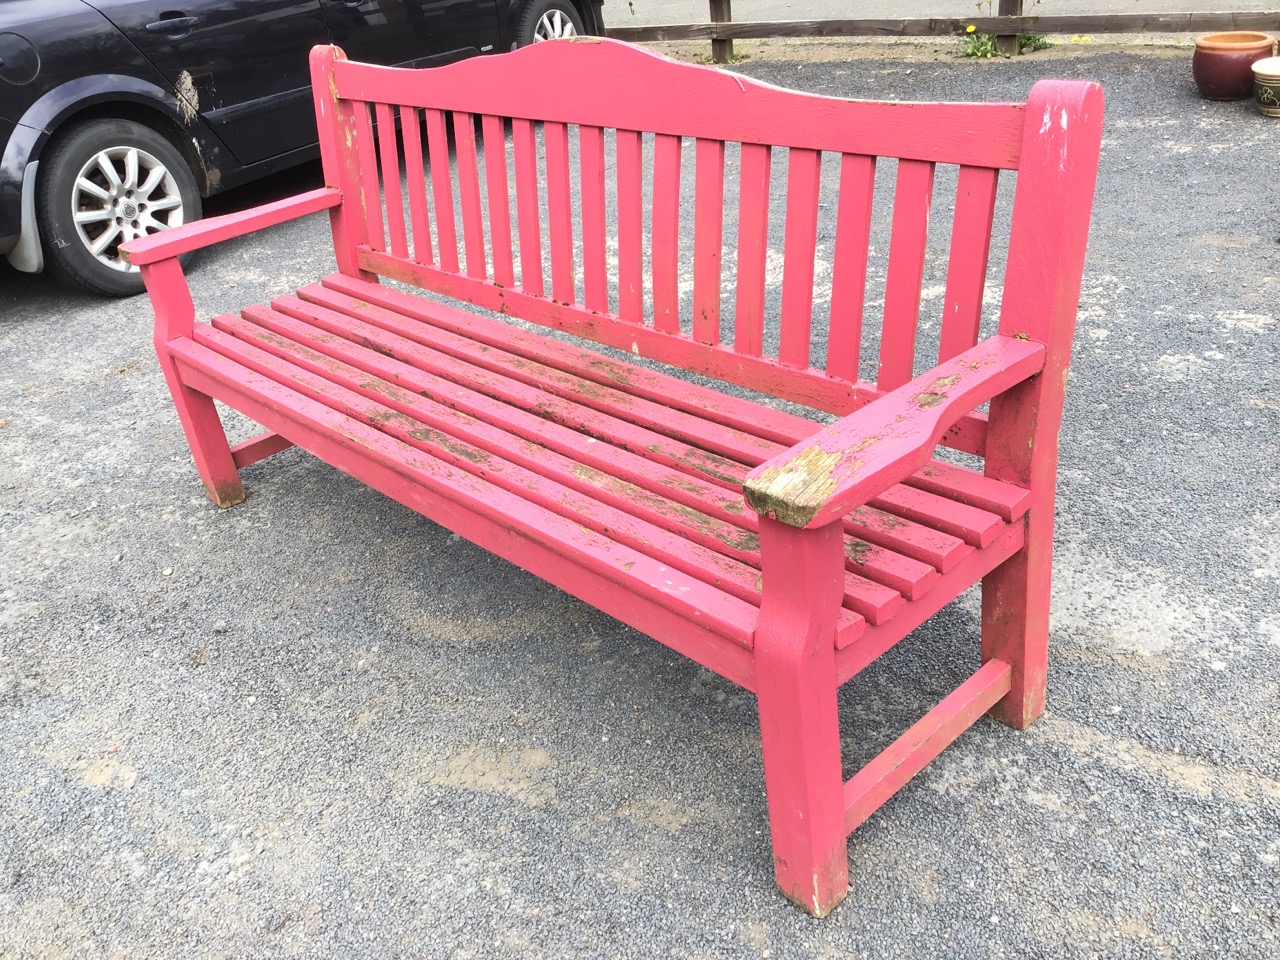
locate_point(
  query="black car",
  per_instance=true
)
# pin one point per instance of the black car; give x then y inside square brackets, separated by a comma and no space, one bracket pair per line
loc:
[117,116]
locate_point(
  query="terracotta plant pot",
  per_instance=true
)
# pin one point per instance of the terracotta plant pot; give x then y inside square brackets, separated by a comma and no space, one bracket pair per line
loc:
[1222,63]
[1266,85]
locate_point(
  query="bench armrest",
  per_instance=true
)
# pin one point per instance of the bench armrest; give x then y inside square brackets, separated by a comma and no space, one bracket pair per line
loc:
[839,468]
[204,233]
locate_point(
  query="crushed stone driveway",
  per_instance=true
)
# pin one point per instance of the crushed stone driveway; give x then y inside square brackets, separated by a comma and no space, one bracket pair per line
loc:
[317,725]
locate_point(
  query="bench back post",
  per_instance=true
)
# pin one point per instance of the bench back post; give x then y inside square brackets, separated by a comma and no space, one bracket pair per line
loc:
[1051,210]
[340,140]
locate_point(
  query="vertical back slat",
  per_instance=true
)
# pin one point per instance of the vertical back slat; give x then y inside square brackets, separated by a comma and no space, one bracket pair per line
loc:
[526,161]
[389,156]
[416,183]
[559,210]
[442,189]
[495,171]
[630,226]
[464,138]
[753,245]
[913,195]
[370,194]
[591,170]
[708,238]
[967,268]
[804,179]
[849,264]
[666,233]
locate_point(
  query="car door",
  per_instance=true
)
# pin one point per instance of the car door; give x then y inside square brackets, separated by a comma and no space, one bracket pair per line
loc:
[413,32]
[242,66]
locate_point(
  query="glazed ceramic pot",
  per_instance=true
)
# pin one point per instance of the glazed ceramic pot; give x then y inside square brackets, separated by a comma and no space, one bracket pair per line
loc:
[1222,63]
[1266,85]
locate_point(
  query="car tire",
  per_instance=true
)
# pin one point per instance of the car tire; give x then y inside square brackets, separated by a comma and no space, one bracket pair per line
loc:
[104,182]
[548,20]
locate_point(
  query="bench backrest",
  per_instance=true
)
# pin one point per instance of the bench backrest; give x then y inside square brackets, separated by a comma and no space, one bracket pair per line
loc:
[524,215]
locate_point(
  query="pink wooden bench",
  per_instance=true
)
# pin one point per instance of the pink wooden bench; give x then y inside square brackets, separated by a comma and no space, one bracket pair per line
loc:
[784,554]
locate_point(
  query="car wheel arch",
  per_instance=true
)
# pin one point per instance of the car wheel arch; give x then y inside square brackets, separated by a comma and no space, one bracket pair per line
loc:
[148,116]
[123,98]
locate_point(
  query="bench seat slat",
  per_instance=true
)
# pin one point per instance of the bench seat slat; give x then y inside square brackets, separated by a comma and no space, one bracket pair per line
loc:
[410,419]
[975,526]
[908,576]
[678,610]
[611,398]
[740,414]
[506,456]
[1006,500]
[922,543]
[784,428]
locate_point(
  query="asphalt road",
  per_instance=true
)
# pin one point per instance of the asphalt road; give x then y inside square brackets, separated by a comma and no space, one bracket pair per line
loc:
[317,725]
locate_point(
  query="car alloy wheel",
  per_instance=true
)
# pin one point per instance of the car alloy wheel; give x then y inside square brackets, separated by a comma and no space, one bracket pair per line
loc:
[121,193]
[102,183]
[553,25]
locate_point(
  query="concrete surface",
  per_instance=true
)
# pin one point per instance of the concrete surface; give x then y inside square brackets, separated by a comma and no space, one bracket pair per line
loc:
[317,725]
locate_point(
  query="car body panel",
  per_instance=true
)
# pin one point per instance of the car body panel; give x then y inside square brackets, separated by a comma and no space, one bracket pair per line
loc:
[11,199]
[413,32]
[241,67]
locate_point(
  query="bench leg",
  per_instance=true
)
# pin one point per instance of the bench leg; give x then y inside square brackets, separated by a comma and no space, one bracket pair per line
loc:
[207,438]
[175,319]
[1015,627]
[799,723]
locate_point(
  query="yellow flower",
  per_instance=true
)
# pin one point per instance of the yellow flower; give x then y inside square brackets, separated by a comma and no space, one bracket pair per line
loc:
[970,28]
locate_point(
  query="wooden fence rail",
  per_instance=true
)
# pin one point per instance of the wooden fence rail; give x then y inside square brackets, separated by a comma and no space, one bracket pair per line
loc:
[722,31]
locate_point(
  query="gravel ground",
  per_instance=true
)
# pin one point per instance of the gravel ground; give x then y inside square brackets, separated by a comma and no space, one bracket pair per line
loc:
[318,725]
